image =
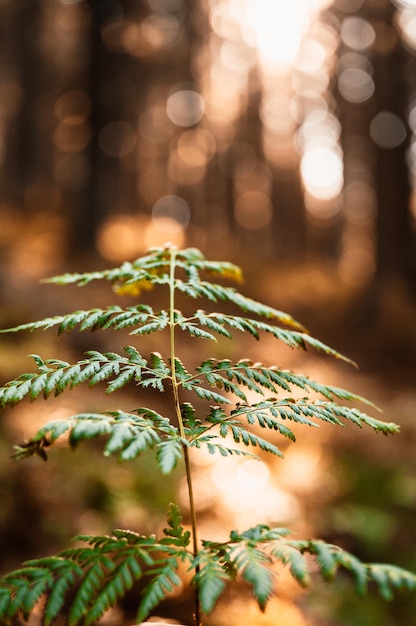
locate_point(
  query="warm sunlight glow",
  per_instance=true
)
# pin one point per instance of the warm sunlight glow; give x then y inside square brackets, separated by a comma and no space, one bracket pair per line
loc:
[121,237]
[276,29]
[322,172]
[246,489]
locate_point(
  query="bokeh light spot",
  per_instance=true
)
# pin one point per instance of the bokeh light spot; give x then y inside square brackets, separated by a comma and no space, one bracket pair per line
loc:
[357,33]
[160,30]
[121,237]
[185,107]
[171,213]
[355,85]
[387,130]
[322,172]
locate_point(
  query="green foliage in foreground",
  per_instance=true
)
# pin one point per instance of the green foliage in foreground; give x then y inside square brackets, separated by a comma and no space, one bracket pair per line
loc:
[211,408]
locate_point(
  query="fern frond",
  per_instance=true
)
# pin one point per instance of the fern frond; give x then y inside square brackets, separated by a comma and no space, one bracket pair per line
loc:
[54,376]
[168,453]
[241,556]
[129,434]
[389,578]
[100,566]
[255,568]
[218,417]
[163,575]
[247,438]
[253,553]
[175,534]
[218,322]
[256,377]
[305,411]
[330,558]
[122,579]
[68,572]
[212,445]
[192,261]
[88,580]
[151,270]
[164,579]
[210,579]
[207,394]
[218,293]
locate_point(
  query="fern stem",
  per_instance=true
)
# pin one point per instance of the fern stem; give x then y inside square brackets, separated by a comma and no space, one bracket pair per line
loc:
[175,388]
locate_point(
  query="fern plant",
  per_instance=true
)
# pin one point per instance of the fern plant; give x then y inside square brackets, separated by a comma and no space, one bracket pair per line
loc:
[209,408]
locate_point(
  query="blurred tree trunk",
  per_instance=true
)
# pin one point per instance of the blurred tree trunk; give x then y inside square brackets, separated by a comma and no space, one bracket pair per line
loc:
[396,241]
[24,71]
[115,82]
[92,204]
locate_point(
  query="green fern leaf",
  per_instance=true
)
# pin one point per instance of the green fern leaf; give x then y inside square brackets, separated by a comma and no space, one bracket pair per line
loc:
[143,440]
[213,446]
[175,534]
[304,411]
[88,426]
[327,558]
[106,370]
[389,578]
[163,580]
[128,374]
[254,566]
[189,417]
[5,603]
[95,320]
[209,321]
[195,262]
[158,365]
[122,579]
[253,413]
[52,380]
[196,331]
[27,597]
[168,453]
[241,435]
[128,435]
[134,356]
[290,555]
[158,322]
[68,378]
[55,376]
[99,567]
[218,293]
[65,573]
[292,338]
[211,396]
[131,316]
[330,558]
[210,580]
[16,390]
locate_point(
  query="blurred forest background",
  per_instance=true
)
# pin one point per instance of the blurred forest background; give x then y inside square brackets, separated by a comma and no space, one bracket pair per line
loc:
[277,134]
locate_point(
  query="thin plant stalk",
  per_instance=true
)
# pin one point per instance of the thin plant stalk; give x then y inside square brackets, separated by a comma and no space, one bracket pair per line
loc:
[175,388]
